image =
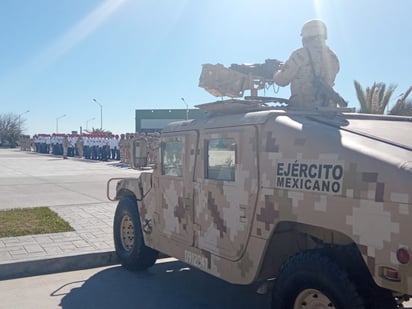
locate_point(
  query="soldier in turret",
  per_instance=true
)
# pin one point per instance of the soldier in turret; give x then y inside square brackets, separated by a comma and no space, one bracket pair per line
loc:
[308,65]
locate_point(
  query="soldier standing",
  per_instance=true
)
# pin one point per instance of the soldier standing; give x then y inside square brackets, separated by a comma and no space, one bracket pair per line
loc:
[122,144]
[129,148]
[65,146]
[116,148]
[314,60]
[71,139]
[105,149]
[79,146]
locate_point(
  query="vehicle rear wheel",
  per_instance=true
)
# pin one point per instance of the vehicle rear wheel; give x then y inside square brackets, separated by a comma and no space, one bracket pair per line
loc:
[374,296]
[128,237]
[310,280]
[384,300]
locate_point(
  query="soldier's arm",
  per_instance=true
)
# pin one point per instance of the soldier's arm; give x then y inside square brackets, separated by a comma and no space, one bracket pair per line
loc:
[332,67]
[289,70]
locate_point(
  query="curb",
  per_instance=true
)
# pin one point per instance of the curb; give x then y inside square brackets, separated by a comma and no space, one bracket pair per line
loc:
[56,265]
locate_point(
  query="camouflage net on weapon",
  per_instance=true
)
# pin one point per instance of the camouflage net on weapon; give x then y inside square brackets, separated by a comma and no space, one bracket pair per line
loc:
[233,81]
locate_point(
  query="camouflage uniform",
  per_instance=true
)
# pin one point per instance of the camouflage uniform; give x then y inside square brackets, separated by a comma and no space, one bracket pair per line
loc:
[299,70]
[79,146]
[65,146]
[122,147]
[129,148]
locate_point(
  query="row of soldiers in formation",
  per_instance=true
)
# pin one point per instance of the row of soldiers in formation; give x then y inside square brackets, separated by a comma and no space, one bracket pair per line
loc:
[93,146]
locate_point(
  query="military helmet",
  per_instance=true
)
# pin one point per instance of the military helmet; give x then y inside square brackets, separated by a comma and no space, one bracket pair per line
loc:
[314,27]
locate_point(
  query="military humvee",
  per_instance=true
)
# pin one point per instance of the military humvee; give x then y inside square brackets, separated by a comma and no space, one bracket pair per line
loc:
[320,200]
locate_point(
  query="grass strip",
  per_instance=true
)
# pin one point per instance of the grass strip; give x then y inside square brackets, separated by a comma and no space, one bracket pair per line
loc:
[31,221]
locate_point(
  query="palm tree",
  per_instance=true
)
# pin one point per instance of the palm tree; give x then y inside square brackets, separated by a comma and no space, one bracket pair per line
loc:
[403,106]
[374,99]
[99,131]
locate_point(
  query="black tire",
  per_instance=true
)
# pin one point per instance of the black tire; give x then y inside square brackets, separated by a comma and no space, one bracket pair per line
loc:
[128,237]
[383,299]
[311,280]
[375,297]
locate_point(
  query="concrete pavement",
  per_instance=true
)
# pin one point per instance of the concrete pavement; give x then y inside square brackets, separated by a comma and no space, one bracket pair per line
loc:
[73,188]
[169,284]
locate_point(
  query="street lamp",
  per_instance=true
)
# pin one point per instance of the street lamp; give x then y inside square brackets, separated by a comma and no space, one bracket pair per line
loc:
[187,108]
[20,119]
[101,113]
[87,123]
[57,122]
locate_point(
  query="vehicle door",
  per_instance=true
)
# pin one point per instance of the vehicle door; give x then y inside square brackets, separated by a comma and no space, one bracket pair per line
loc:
[226,190]
[175,204]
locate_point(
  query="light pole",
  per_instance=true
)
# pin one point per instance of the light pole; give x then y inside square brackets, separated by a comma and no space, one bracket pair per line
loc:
[87,123]
[57,122]
[20,119]
[187,108]
[101,113]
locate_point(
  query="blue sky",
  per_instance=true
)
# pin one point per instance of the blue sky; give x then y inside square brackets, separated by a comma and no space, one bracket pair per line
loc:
[57,56]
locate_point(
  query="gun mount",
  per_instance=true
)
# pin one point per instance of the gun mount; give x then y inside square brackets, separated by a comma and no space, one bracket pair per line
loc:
[221,81]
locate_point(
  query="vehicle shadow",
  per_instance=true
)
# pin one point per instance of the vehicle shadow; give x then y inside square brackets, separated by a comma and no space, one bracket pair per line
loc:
[166,285]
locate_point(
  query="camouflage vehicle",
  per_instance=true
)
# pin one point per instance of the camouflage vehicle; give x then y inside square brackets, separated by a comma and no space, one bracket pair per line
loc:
[320,200]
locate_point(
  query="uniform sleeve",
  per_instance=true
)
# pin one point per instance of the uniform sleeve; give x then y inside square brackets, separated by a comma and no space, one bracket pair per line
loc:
[289,70]
[332,67]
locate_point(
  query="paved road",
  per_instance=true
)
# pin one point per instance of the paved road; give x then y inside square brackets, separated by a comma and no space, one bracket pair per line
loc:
[169,284]
[76,190]
[31,179]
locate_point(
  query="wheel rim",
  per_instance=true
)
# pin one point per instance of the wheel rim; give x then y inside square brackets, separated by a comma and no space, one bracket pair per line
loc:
[312,299]
[127,233]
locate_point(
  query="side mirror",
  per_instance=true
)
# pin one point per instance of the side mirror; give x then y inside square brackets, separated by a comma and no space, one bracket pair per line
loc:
[139,151]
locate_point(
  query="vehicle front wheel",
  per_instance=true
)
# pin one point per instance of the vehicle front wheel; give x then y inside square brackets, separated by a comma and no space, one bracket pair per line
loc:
[128,237]
[310,280]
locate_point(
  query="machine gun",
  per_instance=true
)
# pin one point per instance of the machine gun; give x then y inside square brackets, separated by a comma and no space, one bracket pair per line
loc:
[233,81]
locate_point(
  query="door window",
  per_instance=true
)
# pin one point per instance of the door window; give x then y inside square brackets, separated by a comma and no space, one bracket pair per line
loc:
[221,159]
[172,158]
